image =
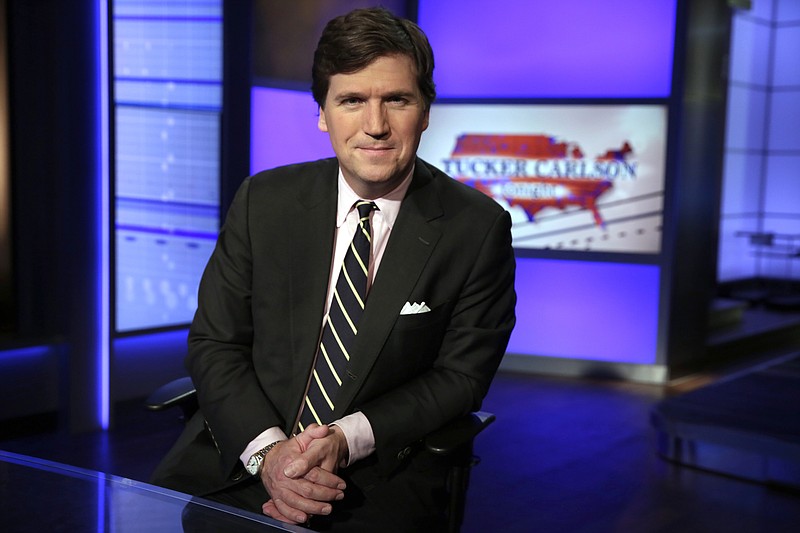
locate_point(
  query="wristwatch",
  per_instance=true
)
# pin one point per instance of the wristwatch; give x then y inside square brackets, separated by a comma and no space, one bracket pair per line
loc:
[254,464]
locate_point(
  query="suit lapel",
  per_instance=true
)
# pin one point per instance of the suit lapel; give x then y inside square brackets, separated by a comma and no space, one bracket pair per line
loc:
[410,245]
[311,251]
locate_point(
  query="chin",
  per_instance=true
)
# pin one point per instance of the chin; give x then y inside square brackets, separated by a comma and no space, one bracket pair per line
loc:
[378,176]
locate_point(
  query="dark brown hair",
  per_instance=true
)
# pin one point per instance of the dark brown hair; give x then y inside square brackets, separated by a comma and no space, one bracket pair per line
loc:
[351,42]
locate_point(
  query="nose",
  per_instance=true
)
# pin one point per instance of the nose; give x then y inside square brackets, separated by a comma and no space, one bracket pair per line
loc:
[375,123]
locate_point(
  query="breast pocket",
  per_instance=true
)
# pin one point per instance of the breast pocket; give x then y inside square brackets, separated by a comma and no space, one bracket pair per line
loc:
[414,343]
[432,318]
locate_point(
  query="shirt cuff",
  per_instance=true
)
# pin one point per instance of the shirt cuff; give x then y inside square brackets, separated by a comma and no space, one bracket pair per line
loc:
[358,433]
[266,438]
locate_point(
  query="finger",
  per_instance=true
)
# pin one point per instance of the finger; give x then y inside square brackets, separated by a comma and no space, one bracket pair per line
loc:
[291,514]
[303,495]
[306,496]
[297,468]
[271,511]
[314,458]
[324,478]
[299,509]
[317,492]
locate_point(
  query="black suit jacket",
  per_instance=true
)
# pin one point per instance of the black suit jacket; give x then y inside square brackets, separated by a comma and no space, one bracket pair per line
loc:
[261,302]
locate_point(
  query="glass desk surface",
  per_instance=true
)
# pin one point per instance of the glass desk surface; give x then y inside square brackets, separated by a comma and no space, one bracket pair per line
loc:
[40,495]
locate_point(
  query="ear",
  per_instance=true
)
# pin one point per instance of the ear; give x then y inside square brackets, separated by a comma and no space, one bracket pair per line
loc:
[426,119]
[321,124]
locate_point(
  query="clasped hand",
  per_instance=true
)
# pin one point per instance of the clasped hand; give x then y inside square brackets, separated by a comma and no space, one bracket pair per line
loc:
[300,474]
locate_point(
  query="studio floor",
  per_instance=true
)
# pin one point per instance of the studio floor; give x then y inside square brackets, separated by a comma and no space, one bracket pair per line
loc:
[565,455]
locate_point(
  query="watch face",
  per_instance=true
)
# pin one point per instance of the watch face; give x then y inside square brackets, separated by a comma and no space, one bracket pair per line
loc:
[256,459]
[252,465]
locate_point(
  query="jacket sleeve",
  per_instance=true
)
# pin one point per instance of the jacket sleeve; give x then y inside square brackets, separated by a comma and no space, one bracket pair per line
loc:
[219,359]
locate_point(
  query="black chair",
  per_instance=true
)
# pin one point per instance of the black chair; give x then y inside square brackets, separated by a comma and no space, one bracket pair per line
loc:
[453,441]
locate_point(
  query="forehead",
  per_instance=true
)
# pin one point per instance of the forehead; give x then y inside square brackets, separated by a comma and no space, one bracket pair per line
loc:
[385,74]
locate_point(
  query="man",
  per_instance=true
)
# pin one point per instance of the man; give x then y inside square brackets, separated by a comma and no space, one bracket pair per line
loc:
[419,350]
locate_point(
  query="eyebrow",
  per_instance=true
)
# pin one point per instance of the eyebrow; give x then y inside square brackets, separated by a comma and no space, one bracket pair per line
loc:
[405,94]
[347,95]
[361,95]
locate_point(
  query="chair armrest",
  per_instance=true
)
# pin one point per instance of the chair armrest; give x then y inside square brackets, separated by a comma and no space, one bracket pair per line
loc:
[459,432]
[177,393]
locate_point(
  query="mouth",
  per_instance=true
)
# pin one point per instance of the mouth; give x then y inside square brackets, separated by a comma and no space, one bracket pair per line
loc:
[376,149]
[376,153]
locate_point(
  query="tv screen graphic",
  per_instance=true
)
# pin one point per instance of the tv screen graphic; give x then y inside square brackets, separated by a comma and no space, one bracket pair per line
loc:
[573,177]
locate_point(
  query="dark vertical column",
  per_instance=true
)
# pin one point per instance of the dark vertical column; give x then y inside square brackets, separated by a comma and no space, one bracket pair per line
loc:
[698,127]
[55,143]
[236,83]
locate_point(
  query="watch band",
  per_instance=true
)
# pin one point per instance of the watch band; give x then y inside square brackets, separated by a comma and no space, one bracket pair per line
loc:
[253,466]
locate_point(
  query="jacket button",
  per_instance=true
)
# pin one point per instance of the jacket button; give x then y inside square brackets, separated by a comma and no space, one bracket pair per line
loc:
[238,475]
[403,453]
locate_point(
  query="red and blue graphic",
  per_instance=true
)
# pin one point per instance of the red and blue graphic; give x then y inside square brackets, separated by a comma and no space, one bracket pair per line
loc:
[536,172]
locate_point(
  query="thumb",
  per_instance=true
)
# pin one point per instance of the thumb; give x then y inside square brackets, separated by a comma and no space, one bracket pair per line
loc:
[312,432]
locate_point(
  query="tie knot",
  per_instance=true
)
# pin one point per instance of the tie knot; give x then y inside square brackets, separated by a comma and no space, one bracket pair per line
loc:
[364,208]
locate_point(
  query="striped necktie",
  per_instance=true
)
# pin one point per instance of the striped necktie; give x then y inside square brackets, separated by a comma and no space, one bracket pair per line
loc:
[341,325]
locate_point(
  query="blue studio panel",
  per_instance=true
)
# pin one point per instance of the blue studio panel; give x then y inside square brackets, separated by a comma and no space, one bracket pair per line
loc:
[283,129]
[585,310]
[564,49]
[762,144]
[168,97]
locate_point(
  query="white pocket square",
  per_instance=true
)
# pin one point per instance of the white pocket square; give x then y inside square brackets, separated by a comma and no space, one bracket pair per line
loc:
[414,309]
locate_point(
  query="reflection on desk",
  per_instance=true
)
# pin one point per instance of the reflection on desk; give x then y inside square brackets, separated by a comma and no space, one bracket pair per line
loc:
[39,495]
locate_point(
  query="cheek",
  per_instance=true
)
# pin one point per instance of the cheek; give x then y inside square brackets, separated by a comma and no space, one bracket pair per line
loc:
[412,130]
[341,131]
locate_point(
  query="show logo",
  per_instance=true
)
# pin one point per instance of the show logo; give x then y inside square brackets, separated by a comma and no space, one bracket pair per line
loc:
[536,172]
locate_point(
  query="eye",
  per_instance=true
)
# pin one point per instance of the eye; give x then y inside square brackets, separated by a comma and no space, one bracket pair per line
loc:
[350,101]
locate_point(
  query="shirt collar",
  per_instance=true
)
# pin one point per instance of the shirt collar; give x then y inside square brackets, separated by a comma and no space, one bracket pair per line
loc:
[388,205]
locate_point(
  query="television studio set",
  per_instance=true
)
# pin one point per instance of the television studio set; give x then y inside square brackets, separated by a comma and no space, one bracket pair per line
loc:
[593,207]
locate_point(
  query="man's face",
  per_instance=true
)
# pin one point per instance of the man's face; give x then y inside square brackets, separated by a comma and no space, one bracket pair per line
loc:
[375,118]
